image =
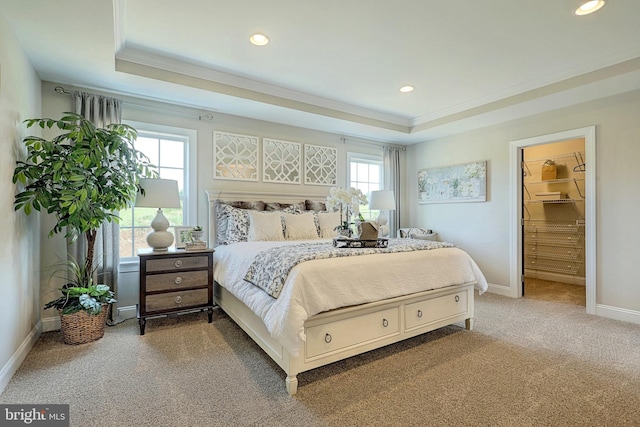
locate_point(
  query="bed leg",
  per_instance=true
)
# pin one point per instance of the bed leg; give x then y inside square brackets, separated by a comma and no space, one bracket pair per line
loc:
[292,384]
[468,324]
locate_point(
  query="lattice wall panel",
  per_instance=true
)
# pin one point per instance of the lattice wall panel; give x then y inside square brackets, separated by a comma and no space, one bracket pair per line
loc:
[235,156]
[281,161]
[320,165]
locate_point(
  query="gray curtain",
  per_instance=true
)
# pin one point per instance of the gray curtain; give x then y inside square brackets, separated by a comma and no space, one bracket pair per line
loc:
[391,161]
[101,111]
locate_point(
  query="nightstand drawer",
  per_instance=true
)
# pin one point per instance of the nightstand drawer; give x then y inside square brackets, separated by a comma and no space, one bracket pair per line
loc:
[179,263]
[176,281]
[177,300]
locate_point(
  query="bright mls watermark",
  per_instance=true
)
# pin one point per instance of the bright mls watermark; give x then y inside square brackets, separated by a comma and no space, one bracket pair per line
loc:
[34,415]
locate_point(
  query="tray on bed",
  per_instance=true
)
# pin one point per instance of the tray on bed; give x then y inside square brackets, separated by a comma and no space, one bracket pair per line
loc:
[345,242]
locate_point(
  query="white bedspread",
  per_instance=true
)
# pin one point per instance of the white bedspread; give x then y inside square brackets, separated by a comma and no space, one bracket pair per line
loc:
[321,285]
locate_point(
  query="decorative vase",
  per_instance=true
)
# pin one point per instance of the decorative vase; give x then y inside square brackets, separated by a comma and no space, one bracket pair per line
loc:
[197,235]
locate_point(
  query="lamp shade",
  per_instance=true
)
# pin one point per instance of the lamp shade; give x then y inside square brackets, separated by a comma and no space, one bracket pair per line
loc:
[383,199]
[158,193]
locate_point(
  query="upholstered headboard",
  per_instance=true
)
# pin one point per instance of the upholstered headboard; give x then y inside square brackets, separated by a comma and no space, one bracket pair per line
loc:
[246,196]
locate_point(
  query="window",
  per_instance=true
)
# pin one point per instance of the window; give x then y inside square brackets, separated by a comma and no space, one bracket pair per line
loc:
[365,174]
[169,150]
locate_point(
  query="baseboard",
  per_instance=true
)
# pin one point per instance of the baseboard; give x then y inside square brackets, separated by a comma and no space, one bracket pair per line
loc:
[555,277]
[51,324]
[128,312]
[18,357]
[618,313]
[500,290]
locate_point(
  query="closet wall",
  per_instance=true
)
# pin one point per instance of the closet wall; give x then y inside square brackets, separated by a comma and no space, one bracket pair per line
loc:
[554,211]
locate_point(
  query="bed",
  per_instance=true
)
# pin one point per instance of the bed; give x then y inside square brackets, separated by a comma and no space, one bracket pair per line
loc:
[333,307]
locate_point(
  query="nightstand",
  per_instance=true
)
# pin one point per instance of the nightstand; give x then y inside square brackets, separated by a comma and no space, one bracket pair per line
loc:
[175,281]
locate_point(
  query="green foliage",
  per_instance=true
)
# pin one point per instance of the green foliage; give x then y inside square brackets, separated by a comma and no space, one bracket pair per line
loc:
[83,177]
[80,293]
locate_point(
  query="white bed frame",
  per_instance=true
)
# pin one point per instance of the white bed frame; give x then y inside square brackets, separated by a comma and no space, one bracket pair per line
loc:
[345,332]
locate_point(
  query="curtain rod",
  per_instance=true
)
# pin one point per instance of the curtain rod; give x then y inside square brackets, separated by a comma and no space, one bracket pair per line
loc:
[201,116]
[345,140]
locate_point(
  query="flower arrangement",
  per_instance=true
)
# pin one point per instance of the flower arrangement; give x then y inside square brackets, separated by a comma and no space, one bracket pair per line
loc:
[346,200]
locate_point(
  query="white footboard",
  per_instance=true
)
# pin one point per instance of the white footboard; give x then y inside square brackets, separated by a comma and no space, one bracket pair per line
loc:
[349,331]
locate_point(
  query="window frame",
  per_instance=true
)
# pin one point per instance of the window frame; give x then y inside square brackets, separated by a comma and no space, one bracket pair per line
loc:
[131,263]
[370,159]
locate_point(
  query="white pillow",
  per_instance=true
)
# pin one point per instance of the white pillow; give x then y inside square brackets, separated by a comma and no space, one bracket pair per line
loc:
[300,226]
[264,226]
[328,221]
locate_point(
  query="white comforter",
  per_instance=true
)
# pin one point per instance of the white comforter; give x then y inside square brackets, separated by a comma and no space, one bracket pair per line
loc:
[316,286]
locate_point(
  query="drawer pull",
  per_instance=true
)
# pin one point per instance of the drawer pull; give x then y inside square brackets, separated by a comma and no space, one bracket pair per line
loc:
[178,299]
[385,322]
[457,298]
[419,313]
[178,280]
[327,338]
[178,263]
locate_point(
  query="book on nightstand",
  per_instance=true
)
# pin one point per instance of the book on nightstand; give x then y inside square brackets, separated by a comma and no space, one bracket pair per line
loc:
[195,246]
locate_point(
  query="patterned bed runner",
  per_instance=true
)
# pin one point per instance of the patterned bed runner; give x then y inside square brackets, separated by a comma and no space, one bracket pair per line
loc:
[270,268]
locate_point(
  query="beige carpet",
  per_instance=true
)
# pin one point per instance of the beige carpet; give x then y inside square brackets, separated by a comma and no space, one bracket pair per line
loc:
[547,290]
[527,363]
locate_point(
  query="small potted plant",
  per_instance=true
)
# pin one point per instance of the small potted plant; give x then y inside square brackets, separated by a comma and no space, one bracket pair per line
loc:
[195,234]
[83,305]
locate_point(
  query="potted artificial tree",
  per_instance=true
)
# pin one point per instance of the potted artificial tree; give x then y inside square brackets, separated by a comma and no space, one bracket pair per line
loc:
[83,177]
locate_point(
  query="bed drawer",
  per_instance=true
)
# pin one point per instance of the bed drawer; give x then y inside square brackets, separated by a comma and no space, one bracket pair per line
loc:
[178,280]
[177,300]
[423,313]
[180,263]
[350,332]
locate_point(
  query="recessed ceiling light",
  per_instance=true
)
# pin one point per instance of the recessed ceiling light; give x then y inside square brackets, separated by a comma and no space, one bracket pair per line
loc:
[407,89]
[589,6]
[259,39]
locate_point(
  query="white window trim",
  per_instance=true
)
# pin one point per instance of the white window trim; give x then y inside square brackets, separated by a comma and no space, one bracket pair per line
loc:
[366,157]
[128,264]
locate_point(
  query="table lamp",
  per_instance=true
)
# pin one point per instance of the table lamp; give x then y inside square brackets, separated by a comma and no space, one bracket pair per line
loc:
[159,193]
[380,201]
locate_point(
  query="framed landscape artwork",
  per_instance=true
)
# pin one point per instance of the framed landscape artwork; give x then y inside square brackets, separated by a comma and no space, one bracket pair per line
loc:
[458,183]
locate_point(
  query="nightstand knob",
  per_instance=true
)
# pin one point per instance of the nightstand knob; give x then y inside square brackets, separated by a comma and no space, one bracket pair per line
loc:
[419,313]
[457,298]
[178,263]
[385,322]
[327,338]
[178,280]
[178,300]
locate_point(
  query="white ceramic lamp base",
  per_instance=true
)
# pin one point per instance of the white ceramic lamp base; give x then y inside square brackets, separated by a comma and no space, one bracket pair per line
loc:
[160,239]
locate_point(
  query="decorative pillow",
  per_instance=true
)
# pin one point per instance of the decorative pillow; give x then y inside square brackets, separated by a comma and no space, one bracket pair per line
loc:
[275,206]
[265,226]
[222,216]
[312,205]
[300,226]
[327,222]
[237,225]
[413,232]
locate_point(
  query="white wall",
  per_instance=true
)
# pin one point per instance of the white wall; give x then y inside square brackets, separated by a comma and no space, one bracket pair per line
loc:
[483,228]
[19,234]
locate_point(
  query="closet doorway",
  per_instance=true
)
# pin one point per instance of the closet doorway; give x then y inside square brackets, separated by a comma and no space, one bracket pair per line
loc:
[553,218]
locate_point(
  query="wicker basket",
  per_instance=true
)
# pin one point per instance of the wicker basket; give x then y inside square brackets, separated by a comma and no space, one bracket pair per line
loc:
[82,327]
